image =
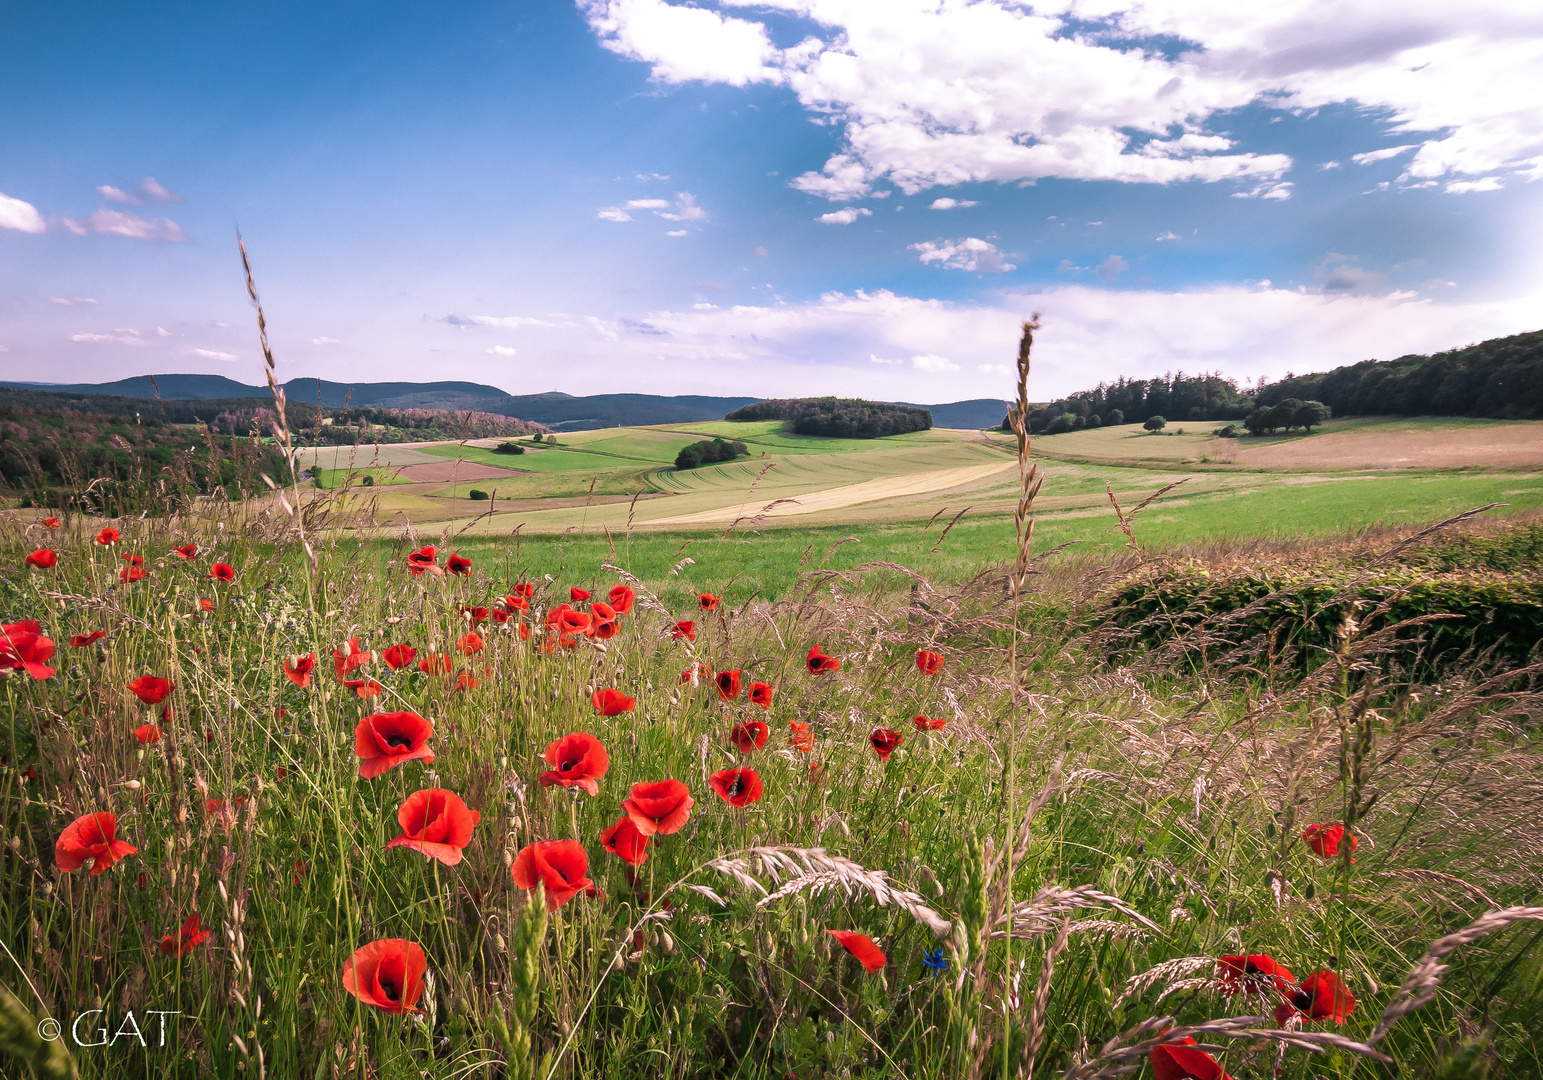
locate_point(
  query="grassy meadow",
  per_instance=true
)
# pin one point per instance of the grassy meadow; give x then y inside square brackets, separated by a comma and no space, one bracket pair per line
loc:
[1045,835]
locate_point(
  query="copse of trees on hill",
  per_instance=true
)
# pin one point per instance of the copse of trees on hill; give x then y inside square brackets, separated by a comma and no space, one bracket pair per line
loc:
[710,452]
[1132,401]
[1501,378]
[845,418]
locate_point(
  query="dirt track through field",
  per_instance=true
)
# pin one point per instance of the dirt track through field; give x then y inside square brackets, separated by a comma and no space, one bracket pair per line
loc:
[888,487]
[441,471]
[1507,446]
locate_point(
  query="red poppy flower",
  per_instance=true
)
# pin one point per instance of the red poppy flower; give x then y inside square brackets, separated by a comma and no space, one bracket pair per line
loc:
[298,669]
[49,522]
[185,940]
[684,629]
[1325,840]
[205,605]
[80,641]
[398,657]
[436,823]
[600,611]
[458,564]
[147,734]
[800,737]
[187,551]
[1253,974]
[349,656]
[607,629]
[819,663]
[24,648]
[737,787]
[1321,996]
[728,685]
[1180,1061]
[422,559]
[131,574]
[625,842]
[301,869]
[92,838]
[884,741]
[524,632]
[860,946]
[500,616]
[43,559]
[471,643]
[708,602]
[222,811]
[928,662]
[465,680]
[560,865]
[475,615]
[610,702]
[751,735]
[928,723]
[435,664]
[222,572]
[661,807]
[761,694]
[152,690]
[578,760]
[621,597]
[108,536]
[515,602]
[133,560]
[524,589]
[387,974]
[570,622]
[577,594]
[387,739]
[365,688]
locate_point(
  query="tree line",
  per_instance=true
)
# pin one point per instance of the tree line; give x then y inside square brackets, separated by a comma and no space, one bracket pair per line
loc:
[844,418]
[709,452]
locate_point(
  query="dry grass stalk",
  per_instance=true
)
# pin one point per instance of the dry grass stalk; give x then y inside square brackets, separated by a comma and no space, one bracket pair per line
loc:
[1117,1060]
[1036,916]
[1042,997]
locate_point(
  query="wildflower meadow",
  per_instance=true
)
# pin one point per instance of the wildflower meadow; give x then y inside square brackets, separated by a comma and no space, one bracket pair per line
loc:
[290,801]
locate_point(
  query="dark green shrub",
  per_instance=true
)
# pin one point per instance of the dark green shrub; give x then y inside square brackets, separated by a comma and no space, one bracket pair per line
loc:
[709,452]
[509,448]
[477,496]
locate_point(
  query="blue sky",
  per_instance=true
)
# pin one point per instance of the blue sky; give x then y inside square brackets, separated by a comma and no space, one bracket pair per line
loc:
[794,196]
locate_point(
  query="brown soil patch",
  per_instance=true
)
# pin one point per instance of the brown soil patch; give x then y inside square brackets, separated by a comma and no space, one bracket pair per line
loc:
[442,471]
[1504,446]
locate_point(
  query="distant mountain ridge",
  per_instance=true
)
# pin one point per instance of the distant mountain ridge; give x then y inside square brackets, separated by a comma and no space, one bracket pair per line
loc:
[554,409]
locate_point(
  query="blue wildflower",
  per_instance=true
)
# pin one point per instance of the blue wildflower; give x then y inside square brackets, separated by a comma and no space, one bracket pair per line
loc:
[934,960]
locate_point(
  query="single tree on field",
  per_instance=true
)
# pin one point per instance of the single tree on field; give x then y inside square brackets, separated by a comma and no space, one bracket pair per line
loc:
[1115,416]
[1155,423]
[1311,413]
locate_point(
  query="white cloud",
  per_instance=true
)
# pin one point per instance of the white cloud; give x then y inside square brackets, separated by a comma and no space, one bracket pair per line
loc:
[872,359]
[930,362]
[161,331]
[845,216]
[1169,236]
[112,194]
[500,350]
[120,336]
[971,253]
[684,208]
[994,369]
[19,215]
[1266,190]
[684,44]
[117,223]
[932,94]
[1327,165]
[678,232]
[326,341]
[73,301]
[149,190]
[212,354]
[1373,156]
[950,204]
[1462,187]
[500,322]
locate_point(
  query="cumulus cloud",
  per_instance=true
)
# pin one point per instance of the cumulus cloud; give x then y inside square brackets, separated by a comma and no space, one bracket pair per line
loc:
[951,204]
[20,215]
[1111,269]
[1102,91]
[678,232]
[500,350]
[213,354]
[971,253]
[1267,190]
[1462,187]
[845,216]
[131,226]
